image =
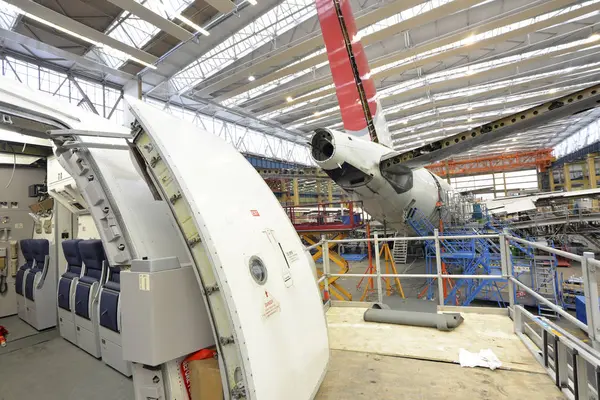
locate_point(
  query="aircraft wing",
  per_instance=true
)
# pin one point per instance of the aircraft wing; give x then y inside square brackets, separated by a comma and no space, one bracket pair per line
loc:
[516,204]
[491,132]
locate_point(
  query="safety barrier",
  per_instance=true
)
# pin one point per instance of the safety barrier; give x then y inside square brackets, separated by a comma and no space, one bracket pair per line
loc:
[567,359]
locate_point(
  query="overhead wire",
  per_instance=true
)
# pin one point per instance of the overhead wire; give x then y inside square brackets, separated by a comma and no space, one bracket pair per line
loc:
[12,175]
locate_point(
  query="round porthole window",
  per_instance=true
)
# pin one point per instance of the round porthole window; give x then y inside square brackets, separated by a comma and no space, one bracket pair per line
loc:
[258,270]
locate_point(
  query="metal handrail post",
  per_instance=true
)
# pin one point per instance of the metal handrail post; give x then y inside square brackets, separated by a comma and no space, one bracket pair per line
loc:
[326,266]
[378,270]
[438,263]
[590,289]
[507,263]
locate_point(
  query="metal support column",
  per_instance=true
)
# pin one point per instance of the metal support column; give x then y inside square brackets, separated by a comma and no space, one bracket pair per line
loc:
[296,193]
[318,186]
[591,169]
[326,270]
[330,191]
[551,175]
[567,177]
[438,263]
[378,270]
[283,189]
[504,180]
[592,307]
[506,263]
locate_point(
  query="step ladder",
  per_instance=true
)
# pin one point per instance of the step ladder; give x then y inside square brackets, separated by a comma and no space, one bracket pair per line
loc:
[400,251]
[544,276]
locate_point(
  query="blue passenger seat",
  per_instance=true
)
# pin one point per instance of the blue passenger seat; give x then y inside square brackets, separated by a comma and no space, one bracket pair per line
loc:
[26,250]
[109,301]
[40,250]
[92,255]
[74,266]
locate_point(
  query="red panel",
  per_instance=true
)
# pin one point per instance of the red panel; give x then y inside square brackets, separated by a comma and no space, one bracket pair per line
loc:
[341,70]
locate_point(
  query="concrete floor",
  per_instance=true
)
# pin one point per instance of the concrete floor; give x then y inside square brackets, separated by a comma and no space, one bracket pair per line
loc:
[42,365]
[54,369]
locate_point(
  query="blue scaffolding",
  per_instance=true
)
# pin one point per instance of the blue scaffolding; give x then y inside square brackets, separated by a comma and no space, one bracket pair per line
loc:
[476,255]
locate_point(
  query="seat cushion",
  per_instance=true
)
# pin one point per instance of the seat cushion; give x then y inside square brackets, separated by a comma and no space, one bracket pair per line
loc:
[82,299]
[29,280]
[64,291]
[113,286]
[109,305]
[19,281]
[89,279]
[69,275]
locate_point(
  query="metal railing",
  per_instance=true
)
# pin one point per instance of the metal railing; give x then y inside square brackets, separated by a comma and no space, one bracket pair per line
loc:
[573,365]
[587,261]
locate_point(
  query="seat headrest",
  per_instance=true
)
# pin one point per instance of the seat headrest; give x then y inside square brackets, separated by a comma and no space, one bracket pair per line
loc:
[92,253]
[40,248]
[25,246]
[71,252]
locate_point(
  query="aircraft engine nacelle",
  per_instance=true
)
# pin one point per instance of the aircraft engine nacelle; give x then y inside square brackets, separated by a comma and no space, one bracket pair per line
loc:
[387,190]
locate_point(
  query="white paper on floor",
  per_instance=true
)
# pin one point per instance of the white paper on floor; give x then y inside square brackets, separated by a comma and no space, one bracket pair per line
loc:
[485,358]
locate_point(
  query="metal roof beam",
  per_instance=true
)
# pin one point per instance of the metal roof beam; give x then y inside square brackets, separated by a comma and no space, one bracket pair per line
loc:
[149,16]
[446,40]
[80,29]
[300,49]
[224,6]
[89,64]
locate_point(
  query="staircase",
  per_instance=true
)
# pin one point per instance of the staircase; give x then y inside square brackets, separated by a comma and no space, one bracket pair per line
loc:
[544,276]
[400,251]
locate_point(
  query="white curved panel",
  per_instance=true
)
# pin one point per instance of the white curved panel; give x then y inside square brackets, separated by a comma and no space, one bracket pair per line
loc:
[279,326]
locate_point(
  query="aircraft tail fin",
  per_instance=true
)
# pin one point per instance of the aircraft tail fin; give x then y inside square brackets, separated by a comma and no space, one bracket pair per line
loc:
[362,114]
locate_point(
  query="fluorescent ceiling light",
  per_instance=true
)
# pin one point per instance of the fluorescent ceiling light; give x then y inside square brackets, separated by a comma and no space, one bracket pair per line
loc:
[469,40]
[253,2]
[85,39]
[58,28]
[191,24]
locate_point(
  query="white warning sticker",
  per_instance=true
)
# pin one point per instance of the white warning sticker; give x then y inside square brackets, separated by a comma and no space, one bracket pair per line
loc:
[292,256]
[271,306]
[144,282]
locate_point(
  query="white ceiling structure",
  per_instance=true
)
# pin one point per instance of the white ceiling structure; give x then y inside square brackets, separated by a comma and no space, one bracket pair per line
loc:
[440,66]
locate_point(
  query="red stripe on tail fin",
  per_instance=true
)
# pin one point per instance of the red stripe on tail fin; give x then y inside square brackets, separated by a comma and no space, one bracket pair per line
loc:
[353,114]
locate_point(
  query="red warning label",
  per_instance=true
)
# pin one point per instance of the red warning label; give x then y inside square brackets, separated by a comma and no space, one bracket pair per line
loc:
[255,213]
[271,306]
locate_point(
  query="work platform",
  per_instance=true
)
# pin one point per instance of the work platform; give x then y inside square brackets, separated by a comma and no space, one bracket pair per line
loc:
[383,361]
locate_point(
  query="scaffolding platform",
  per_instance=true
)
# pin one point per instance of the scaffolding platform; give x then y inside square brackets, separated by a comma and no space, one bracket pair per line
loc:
[384,361]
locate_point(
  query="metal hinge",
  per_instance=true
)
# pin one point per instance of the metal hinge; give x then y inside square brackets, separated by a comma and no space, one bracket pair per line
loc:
[154,161]
[211,289]
[194,241]
[173,199]
[226,340]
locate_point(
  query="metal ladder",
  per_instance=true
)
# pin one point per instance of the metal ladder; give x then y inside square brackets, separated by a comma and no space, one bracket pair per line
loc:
[545,284]
[400,251]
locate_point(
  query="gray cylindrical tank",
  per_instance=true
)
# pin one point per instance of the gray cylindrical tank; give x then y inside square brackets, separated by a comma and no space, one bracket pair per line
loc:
[443,322]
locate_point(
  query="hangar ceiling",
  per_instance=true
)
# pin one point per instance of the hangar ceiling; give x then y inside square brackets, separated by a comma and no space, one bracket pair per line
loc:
[440,66]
